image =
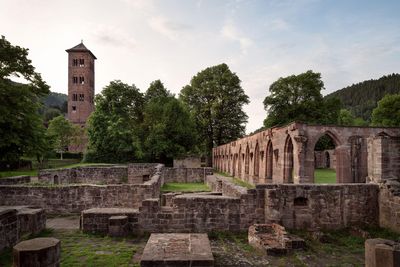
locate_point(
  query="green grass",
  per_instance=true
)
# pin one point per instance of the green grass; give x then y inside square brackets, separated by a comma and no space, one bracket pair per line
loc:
[79,249]
[325,176]
[236,181]
[185,187]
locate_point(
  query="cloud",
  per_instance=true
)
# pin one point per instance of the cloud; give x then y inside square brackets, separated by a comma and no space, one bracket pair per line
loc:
[278,24]
[171,29]
[114,37]
[229,31]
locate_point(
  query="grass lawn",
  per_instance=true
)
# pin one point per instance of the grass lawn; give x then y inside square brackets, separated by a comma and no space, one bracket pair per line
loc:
[184,187]
[237,181]
[325,176]
[79,249]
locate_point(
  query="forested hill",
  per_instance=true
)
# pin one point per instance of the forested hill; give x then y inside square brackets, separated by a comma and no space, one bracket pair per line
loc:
[362,98]
[55,100]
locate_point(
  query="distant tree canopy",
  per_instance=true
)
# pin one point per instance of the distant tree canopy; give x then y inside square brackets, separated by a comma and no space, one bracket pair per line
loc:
[216,98]
[21,126]
[387,113]
[169,130]
[362,98]
[54,104]
[62,133]
[299,98]
[114,126]
[346,118]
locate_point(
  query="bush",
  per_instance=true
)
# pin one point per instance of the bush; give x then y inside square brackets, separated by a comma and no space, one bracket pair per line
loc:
[15,165]
[70,155]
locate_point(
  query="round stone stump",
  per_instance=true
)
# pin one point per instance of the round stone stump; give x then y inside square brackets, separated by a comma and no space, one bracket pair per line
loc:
[37,252]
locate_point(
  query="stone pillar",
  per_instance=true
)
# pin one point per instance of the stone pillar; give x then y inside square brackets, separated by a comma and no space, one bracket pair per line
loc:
[299,157]
[381,252]
[343,164]
[37,252]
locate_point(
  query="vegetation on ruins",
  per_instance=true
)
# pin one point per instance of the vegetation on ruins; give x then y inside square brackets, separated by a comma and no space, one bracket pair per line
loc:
[168,127]
[216,98]
[185,187]
[362,98]
[299,98]
[387,113]
[62,133]
[21,126]
[114,126]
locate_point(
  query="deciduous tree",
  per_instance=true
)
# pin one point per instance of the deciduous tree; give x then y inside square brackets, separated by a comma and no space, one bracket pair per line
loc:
[216,99]
[387,113]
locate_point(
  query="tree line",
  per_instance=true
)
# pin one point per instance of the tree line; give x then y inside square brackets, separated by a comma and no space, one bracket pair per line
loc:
[156,126]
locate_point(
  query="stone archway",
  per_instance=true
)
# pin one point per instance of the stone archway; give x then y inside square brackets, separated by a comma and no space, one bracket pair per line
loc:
[288,162]
[269,156]
[257,161]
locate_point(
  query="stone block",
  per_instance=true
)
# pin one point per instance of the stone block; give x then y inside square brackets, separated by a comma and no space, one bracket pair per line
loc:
[382,252]
[37,252]
[118,225]
[177,250]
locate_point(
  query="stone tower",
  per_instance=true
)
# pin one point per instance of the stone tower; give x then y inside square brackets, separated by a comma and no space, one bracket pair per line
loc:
[80,84]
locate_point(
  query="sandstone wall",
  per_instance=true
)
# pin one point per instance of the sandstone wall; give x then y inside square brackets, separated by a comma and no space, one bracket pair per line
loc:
[188,162]
[23,179]
[78,197]
[186,175]
[8,228]
[321,206]
[389,205]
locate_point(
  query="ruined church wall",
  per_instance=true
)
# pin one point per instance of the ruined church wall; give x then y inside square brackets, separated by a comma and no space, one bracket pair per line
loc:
[58,199]
[322,206]
[186,175]
[389,205]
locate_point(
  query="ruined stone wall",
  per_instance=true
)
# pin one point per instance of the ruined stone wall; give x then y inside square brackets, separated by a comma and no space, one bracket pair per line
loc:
[188,162]
[24,179]
[383,158]
[78,197]
[286,154]
[8,228]
[141,172]
[325,159]
[321,206]
[186,175]
[88,175]
[389,205]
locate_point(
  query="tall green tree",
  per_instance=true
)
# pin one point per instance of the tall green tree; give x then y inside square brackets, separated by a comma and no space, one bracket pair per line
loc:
[114,127]
[216,99]
[299,98]
[387,113]
[21,126]
[63,133]
[156,90]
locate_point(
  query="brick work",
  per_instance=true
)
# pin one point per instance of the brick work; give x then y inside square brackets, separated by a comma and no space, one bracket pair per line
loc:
[321,206]
[186,175]
[286,154]
[23,179]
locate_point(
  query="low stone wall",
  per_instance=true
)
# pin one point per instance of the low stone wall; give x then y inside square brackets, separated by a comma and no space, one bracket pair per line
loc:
[97,220]
[90,175]
[142,172]
[321,206]
[8,228]
[389,205]
[24,179]
[186,175]
[75,198]
[18,221]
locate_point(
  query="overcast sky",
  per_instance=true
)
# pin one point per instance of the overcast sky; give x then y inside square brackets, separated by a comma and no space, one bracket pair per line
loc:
[138,41]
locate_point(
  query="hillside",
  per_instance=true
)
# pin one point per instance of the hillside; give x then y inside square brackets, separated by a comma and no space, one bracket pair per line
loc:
[55,100]
[362,98]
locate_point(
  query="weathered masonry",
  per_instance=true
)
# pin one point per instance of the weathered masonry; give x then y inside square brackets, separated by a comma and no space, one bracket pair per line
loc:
[286,154]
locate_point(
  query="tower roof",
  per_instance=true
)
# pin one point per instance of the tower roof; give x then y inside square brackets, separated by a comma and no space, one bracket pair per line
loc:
[80,48]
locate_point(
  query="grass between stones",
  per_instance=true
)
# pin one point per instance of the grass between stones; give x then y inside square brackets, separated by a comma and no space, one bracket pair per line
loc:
[185,187]
[340,248]
[325,176]
[236,181]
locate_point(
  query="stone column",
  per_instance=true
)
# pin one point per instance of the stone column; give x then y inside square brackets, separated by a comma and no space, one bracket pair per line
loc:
[343,164]
[37,252]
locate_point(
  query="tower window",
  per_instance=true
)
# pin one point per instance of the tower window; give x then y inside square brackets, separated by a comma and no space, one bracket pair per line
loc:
[82,80]
[81,97]
[75,62]
[73,108]
[74,97]
[81,62]
[75,79]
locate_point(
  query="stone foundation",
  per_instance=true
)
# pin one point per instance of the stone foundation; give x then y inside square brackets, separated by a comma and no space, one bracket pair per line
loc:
[273,239]
[18,221]
[24,179]
[177,250]
[381,252]
[389,205]
[186,175]
[97,220]
[37,252]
